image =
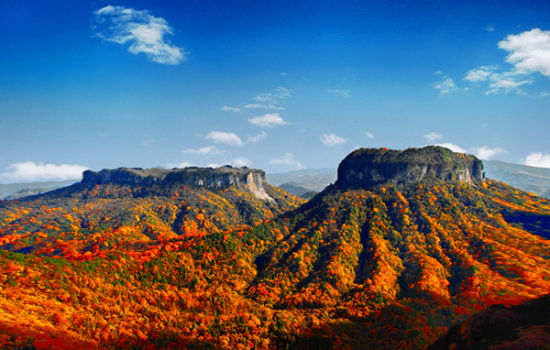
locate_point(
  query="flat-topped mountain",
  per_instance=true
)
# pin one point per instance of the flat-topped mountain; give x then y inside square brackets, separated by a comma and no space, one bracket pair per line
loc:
[157,180]
[205,177]
[407,245]
[368,167]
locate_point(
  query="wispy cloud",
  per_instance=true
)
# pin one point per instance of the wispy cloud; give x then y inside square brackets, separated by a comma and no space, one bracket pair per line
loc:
[528,53]
[208,150]
[341,93]
[479,74]
[263,106]
[287,159]
[257,138]
[433,136]
[485,152]
[369,135]
[271,100]
[446,85]
[241,161]
[268,120]
[31,171]
[452,147]
[497,81]
[231,109]
[506,85]
[143,32]
[332,140]
[227,138]
[537,159]
[179,165]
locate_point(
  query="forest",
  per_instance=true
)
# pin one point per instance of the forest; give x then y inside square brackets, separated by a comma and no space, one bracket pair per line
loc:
[108,267]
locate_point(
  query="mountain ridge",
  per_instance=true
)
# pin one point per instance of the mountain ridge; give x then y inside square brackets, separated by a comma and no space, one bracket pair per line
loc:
[379,265]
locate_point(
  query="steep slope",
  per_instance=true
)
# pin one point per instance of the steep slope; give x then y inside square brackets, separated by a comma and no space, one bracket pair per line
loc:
[112,207]
[403,246]
[531,179]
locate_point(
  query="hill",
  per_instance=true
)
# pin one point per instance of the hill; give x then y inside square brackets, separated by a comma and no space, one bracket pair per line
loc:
[18,190]
[401,247]
[311,179]
[528,178]
[111,207]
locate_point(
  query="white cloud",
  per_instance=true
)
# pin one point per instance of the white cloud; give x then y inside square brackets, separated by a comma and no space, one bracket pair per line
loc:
[482,73]
[284,74]
[267,120]
[278,95]
[227,138]
[529,51]
[487,153]
[490,28]
[271,100]
[332,140]
[179,165]
[262,106]
[231,109]
[452,147]
[287,159]
[239,162]
[506,85]
[369,135]
[257,138]
[341,93]
[446,86]
[433,136]
[483,152]
[143,32]
[537,159]
[31,171]
[208,150]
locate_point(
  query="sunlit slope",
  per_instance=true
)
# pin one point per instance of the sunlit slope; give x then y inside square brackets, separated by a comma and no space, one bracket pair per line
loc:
[389,261]
[83,219]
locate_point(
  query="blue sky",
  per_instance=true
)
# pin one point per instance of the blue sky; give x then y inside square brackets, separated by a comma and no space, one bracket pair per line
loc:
[276,85]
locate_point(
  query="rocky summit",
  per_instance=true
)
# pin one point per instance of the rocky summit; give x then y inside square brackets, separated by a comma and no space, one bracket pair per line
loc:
[252,180]
[368,167]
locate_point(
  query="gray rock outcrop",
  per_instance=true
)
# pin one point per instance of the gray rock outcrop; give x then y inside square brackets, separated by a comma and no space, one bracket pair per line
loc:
[368,167]
[244,178]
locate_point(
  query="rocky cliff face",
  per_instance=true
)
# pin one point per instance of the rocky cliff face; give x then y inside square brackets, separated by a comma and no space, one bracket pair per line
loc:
[369,167]
[244,178]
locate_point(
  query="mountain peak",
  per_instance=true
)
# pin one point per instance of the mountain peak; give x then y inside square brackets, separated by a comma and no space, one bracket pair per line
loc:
[252,180]
[368,167]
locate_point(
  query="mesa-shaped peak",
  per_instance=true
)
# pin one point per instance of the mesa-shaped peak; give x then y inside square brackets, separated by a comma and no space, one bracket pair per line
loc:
[225,176]
[368,167]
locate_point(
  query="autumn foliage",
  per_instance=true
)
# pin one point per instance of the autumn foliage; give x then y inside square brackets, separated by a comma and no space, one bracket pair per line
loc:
[187,267]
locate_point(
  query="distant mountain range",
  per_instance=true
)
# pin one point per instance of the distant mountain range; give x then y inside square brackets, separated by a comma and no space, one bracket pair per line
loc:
[305,182]
[527,178]
[19,190]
